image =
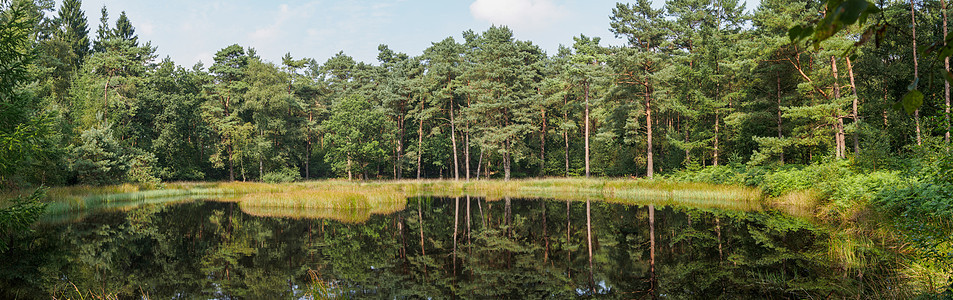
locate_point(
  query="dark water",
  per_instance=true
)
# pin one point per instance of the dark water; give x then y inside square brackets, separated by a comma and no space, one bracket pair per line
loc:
[513,249]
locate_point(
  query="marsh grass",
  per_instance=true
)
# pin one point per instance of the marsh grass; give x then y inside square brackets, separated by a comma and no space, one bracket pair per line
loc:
[800,203]
[342,194]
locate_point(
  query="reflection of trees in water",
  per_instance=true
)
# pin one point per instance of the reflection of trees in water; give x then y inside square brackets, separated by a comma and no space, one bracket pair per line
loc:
[210,249]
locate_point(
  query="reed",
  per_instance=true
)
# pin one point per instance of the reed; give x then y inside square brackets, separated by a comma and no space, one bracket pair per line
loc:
[369,194]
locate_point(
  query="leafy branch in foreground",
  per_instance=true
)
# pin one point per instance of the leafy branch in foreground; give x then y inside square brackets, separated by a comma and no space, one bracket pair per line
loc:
[19,216]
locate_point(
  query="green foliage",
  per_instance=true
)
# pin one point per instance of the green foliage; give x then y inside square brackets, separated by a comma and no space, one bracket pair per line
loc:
[20,215]
[354,135]
[283,175]
[99,159]
[141,167]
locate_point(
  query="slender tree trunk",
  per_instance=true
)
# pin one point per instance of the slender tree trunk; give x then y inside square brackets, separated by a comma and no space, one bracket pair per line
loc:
[545,234]
[916,75]
[886,104]
[839,125]
[420,143]
[568,241]
[466,152]
[688,150]
[398,162]
[350,175]
[715,162]
[589,242]
[721,253]
[946,84]
[468,220]
[506,160]
[420,218]
[456,218]
[106,99]
[717,115]
[453,138]
[780,135]
[650,166]
[586,86]
[542,146]
[854,115]
[652,278]
[466,149]
[307,160]
[566,134]
[479,164]
[231,164]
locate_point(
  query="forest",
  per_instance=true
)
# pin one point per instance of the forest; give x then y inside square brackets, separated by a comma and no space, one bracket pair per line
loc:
[701,91]
[699,83]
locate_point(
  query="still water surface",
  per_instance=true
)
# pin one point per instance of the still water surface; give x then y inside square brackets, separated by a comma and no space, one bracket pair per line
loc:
[436,248]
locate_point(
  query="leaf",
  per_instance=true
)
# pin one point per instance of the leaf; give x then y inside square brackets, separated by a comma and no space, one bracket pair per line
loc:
[912,101]
[851,11]
[795,33]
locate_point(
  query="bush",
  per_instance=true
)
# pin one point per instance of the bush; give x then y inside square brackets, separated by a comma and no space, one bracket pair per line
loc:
[19,216]
[823,177]
[99,159]
[141,167]
[283,175]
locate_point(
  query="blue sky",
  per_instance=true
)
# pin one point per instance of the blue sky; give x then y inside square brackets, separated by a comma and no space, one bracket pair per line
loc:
[190,31]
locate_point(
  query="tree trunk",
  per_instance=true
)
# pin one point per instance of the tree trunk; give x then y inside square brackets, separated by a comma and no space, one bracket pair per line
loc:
[568,241]
[420,143]
[479,164]
[398,170]
[566,134]
[545,234]
[466,149]
[231,164]
[946,84]
[780,135]
[506,160]
[586,87]
[589,241]
[350,175]
[854,115]
[916,75]
[106,99]
[839,125]
[650,166]
[542,146]
[652,279]
[420,218]
[307,160]
[456,218]
[453,138]
[715,162]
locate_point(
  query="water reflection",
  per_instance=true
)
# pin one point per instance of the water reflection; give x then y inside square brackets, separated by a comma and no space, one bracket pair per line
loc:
[434,248]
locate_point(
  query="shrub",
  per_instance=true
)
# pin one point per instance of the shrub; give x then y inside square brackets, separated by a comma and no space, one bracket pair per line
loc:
[284,175]
[99,159]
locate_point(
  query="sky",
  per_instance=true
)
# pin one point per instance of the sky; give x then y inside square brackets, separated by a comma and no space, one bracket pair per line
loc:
[190,31]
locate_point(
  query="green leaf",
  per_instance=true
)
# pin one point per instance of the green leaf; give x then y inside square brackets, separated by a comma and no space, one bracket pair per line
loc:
[852,9]
[795,33]
[912,101]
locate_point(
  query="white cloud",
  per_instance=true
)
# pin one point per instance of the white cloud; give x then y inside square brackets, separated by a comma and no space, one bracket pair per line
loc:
[524,14]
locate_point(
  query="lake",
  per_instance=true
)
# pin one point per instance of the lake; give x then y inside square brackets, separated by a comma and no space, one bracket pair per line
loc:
[438,247]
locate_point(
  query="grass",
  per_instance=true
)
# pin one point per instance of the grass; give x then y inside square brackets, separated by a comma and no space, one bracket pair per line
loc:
[362,198]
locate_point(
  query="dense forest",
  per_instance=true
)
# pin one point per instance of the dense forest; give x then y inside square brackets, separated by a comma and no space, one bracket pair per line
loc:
[699,83]
[853,124]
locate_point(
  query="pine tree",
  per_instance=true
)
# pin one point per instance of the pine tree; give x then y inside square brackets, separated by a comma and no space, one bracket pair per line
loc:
[73,30]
